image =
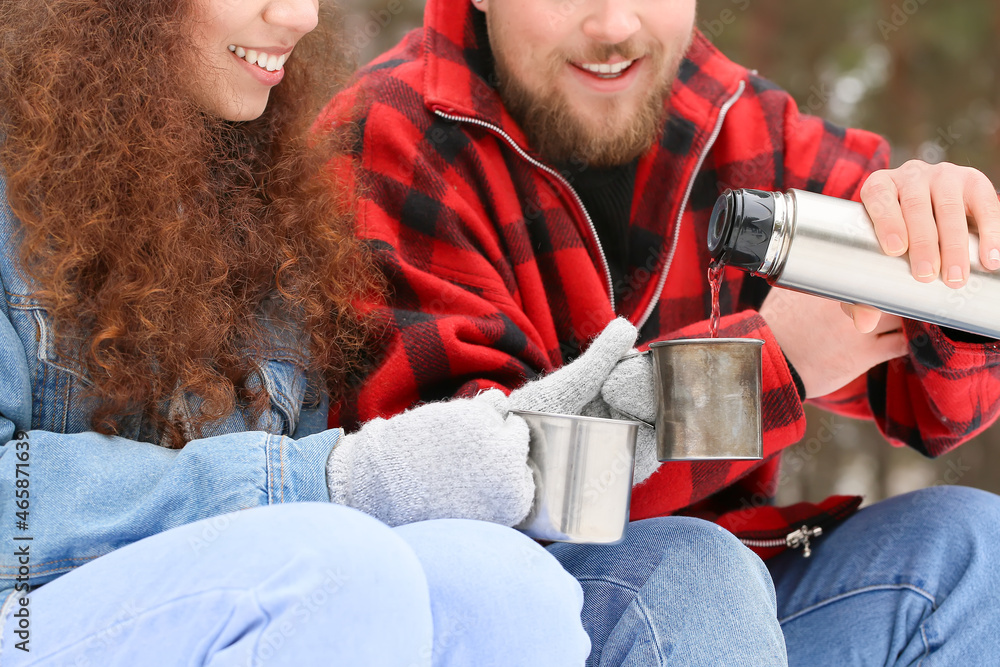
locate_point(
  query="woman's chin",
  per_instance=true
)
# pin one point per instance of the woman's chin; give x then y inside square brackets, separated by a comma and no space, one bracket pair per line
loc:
[243,109]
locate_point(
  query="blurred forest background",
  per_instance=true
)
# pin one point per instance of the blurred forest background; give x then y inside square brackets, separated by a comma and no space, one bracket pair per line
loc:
[924,74]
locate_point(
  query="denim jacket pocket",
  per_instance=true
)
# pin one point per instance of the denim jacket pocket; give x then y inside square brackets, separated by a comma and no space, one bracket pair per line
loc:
[285,384]
[59,383]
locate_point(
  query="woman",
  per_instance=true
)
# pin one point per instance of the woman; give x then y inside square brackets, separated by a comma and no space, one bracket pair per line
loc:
[178,275]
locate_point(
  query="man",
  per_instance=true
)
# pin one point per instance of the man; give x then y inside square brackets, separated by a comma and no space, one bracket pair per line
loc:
[531,169]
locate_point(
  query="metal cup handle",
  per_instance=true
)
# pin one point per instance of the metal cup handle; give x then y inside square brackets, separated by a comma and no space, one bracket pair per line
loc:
[536,476]
[632,417]
[632,355]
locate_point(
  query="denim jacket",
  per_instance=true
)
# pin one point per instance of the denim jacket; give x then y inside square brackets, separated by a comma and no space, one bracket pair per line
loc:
[79,495]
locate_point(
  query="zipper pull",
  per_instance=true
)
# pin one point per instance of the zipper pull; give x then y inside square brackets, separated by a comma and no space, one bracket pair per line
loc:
[801,537]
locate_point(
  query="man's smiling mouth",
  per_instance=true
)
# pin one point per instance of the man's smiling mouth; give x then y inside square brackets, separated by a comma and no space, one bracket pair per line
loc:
[606,70]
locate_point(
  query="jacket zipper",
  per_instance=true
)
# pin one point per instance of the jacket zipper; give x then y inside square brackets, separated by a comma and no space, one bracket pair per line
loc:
[555,174]
[793,540]
[716,131]
[723,111]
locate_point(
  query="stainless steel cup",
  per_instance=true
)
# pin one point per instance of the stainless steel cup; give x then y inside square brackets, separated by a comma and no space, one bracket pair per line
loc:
[708,393]
[583,477]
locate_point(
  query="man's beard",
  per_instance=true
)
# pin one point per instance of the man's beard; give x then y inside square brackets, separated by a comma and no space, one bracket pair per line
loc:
[561,136]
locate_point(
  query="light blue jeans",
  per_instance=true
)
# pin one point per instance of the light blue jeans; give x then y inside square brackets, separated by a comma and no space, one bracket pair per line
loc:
[913,580]
[308,584]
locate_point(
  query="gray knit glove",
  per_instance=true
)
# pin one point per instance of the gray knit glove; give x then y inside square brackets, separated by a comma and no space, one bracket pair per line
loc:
[569,389]
[628,393]
[461,459]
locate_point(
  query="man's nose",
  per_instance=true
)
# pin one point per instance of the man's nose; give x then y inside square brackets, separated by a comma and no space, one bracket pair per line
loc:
[611,21]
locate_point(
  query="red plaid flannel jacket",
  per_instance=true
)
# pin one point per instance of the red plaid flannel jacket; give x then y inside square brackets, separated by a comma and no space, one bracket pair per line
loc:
[497,275]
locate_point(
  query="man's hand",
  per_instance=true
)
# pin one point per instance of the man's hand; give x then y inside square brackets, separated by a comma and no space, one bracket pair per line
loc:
[823,344]
[924,209]
[866,318]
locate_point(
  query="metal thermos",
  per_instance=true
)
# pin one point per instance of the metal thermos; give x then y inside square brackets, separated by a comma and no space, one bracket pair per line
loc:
[827,246]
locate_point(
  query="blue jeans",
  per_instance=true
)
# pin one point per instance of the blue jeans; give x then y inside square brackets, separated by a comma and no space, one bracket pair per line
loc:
[913,580]
[677,591]
[309,584]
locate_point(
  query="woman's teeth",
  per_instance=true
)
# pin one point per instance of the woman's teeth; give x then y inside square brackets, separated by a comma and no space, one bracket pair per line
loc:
[606,71]
[270,62]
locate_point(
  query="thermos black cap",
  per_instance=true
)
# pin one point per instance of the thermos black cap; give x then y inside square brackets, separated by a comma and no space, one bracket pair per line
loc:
[741,227]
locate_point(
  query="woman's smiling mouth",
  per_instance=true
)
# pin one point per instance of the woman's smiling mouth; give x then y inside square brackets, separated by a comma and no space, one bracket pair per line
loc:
[271,62]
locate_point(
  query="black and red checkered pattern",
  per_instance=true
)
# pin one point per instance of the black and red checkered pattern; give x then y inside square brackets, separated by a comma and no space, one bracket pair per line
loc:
[497,276]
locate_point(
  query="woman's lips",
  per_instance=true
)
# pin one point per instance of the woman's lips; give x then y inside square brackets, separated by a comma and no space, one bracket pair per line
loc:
[261,74]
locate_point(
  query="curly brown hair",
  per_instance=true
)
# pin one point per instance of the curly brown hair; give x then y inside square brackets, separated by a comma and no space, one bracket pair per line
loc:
[157,234]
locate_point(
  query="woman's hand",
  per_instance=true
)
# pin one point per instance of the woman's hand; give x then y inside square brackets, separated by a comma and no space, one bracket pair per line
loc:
[466,458]
[460,459]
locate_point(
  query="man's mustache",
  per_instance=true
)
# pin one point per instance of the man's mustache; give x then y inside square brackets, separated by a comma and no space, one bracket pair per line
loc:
[602,52]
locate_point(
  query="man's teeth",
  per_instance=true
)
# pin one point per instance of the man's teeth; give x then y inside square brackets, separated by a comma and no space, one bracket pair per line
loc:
[270,62]
[605,70]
